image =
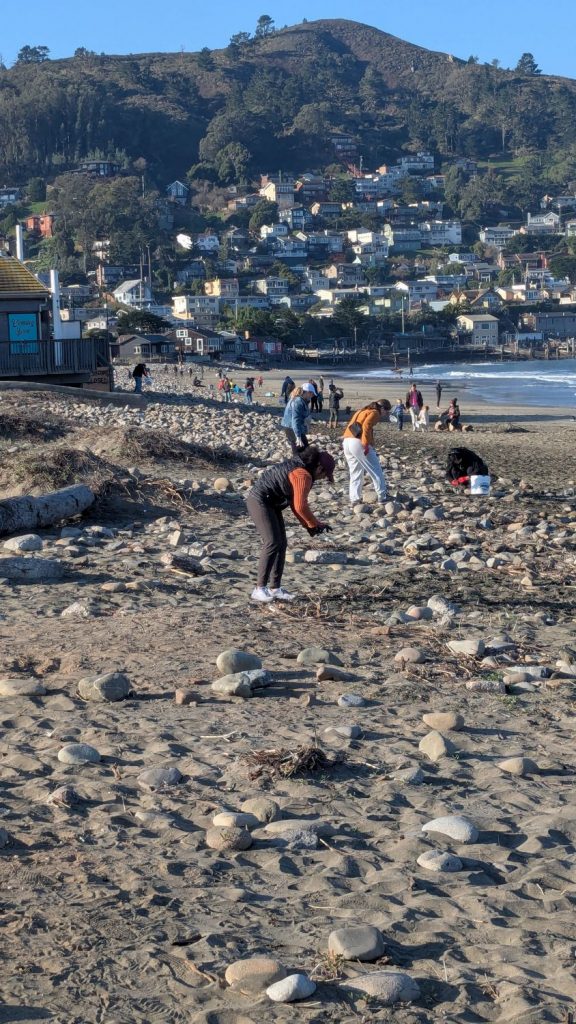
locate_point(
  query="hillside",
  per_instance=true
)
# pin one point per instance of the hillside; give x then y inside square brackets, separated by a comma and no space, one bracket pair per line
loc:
[270,102]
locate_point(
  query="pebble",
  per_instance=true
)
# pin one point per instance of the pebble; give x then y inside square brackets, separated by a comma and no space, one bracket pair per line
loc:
[254,974]
[235,685]
[233,660]
[312,656]
[262,808]
[486,686]
[441,606]
[364,943]
[351,700]
[410,776]
[298,839]
[184,697]
[239,819]
[389,987]
[228,838]
[291,989]
[222,484]
[410,656]
[435,746]
[326,557]
[321,828]
[159,778]
[470,648]
[63,796]
[444,721]
[27,542]
[519,766]
[77,610]
[439,860]
[78,753]
[24,687]
[330,672]
[106,688]
[455,826]
[345,732]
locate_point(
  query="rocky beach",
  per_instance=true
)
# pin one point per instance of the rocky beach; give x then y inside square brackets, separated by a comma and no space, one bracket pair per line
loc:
[352,808]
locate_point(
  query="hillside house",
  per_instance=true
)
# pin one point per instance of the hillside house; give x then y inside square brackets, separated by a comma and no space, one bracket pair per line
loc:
[40,224]
[222,287]
[196,341]
[140,347]
[135,293]
[441,232]
[274,231]
[543,223]
[478,329]
[100,168]
[9,196]
[274,287]
[207,241]
[497,236]
[178,192]
[298,218]
[281,192]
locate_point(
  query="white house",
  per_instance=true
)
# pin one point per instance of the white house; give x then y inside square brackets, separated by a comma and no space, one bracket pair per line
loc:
[543,223]
[274,231]
[273,287]
[137,294]
[208,241]
[418,291]
[441,232]
[187,307]
[497,236]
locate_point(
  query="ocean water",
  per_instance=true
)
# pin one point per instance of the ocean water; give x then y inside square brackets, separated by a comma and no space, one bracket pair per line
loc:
[539,382]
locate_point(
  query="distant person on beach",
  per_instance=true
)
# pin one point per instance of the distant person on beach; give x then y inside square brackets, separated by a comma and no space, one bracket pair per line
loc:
[438,393]
[288,386]
[358,444]
[249,390]
[335,396]
[398,412]
[284,484]
[320,393]
[139,371]
[414,403]
[295,417]
[450,418]
[314,395]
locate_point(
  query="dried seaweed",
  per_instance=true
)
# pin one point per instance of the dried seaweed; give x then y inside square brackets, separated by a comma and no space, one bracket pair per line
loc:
[283,763]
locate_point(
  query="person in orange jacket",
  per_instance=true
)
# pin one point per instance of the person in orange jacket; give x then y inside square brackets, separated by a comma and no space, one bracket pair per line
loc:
[359,452]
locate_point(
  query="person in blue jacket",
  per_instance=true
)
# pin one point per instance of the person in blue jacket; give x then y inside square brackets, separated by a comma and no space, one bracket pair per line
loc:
[295,416]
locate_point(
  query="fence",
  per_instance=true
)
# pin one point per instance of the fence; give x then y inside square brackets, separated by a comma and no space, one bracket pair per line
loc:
[47,358]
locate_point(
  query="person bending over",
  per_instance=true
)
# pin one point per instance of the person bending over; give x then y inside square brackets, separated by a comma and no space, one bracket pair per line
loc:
[285,484]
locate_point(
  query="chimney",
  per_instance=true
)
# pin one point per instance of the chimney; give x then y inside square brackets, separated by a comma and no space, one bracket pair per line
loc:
[19,243]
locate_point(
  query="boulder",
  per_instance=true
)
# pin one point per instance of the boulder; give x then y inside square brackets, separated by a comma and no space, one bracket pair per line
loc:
[363,942]
[234,660]
[103,689]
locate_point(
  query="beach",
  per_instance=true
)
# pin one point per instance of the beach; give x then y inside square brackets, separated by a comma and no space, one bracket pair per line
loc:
[197,853]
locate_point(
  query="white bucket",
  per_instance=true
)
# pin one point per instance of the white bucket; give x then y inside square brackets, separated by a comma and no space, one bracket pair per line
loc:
[479,485]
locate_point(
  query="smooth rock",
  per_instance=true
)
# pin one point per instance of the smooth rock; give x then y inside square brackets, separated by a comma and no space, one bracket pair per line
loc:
[519,766]
[326,557]
[291,989]
[486,686]
[439,860]
[351,700]
[470,648]
[106,688]
[235,685]
[330,672]
[444,721]
[343,732]
[183,697]
[321,828]
[24,687]
[238,819]
[228,838]
[410,656]
[27,542]
[222,484]
[262,808]
[410,776]
[435,746]
[159,778]
[234,660]
[455,826]
[389,987]
[254,974]
[363,943]
[78,753]
[313,656]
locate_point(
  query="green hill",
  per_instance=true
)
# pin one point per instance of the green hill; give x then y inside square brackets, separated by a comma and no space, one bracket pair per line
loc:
[274,102]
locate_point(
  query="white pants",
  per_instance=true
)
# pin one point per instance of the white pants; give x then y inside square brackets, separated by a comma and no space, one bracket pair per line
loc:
[358,464]
[414,417]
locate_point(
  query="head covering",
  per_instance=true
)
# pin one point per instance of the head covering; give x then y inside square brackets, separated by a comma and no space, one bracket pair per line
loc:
[328,464]
[310,388]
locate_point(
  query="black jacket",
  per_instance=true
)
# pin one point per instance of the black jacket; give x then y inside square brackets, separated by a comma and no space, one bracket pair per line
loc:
[273,487]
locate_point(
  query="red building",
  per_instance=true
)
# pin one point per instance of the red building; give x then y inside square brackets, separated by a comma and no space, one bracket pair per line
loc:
[40,224]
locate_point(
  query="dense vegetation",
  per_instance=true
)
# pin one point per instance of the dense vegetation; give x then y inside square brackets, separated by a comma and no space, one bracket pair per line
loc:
[273,100]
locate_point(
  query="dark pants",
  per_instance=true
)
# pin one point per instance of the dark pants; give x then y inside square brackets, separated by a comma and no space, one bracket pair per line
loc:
[269,522]
[296,448]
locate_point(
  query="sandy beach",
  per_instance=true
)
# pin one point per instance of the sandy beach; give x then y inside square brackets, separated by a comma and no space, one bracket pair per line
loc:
[426,671]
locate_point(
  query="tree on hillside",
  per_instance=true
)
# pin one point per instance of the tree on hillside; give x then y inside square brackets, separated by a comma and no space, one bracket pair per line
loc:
[527,65]
[205,59]
[348,319]
[139,321]
[33,55]
[264,26]
[265,212]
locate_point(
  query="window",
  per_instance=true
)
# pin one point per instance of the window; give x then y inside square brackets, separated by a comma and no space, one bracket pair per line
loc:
[188,342]
[180,334]
[137,350]
[164,348]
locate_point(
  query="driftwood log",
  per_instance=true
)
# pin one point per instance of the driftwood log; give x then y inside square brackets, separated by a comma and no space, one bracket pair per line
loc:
[28,513]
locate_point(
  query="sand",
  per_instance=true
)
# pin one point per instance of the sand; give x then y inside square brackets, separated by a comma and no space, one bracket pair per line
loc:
[115,908]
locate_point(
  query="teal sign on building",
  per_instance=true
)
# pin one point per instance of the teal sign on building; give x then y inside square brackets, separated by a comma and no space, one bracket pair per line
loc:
[23,332]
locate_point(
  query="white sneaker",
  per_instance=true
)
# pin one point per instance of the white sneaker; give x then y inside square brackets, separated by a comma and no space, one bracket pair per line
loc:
[261,594]
[279,594]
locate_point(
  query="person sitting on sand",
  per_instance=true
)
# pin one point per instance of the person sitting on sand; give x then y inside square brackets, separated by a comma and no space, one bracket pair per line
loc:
[462,464]
[286,483]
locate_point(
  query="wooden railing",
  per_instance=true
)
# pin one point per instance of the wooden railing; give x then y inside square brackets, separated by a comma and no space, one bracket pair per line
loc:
[47,358]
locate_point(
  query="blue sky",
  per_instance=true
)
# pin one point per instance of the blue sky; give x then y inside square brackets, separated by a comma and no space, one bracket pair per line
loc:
[496,28]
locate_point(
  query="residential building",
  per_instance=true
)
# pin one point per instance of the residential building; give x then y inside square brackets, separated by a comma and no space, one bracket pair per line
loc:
[497,236]
[142,346]
[316,279]
[274,231]
[196,341]
[101,168]
[543,223]
[9,196]
[403,239]
[136,293]
[178,192]
[207,241]
[224,288]
[345,148]
[298,218]
[274,287]
[280,191]
[191,307]
[327,209]
[345,275]
[40,224]
[417,163]
[193,271]
[441,232]
[480,330]
[424,290]
[108,275]
[558,325]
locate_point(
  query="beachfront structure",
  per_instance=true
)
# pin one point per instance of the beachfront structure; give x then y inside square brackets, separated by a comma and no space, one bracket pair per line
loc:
[479,330]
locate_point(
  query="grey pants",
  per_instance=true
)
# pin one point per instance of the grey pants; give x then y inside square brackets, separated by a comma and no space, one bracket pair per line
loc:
[269,523]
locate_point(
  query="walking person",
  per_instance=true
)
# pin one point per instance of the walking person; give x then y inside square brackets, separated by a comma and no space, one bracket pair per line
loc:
[249,390]
[320,393]
[414,403]
[423,421]
[335,396]
[139,371]
[227,389]
[285,484]
[438,393]
[288,386]
[295,416]
[358,443]
[314,395]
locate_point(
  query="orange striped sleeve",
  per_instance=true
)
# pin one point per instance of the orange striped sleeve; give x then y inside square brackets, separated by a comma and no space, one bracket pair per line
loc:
[301,483]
